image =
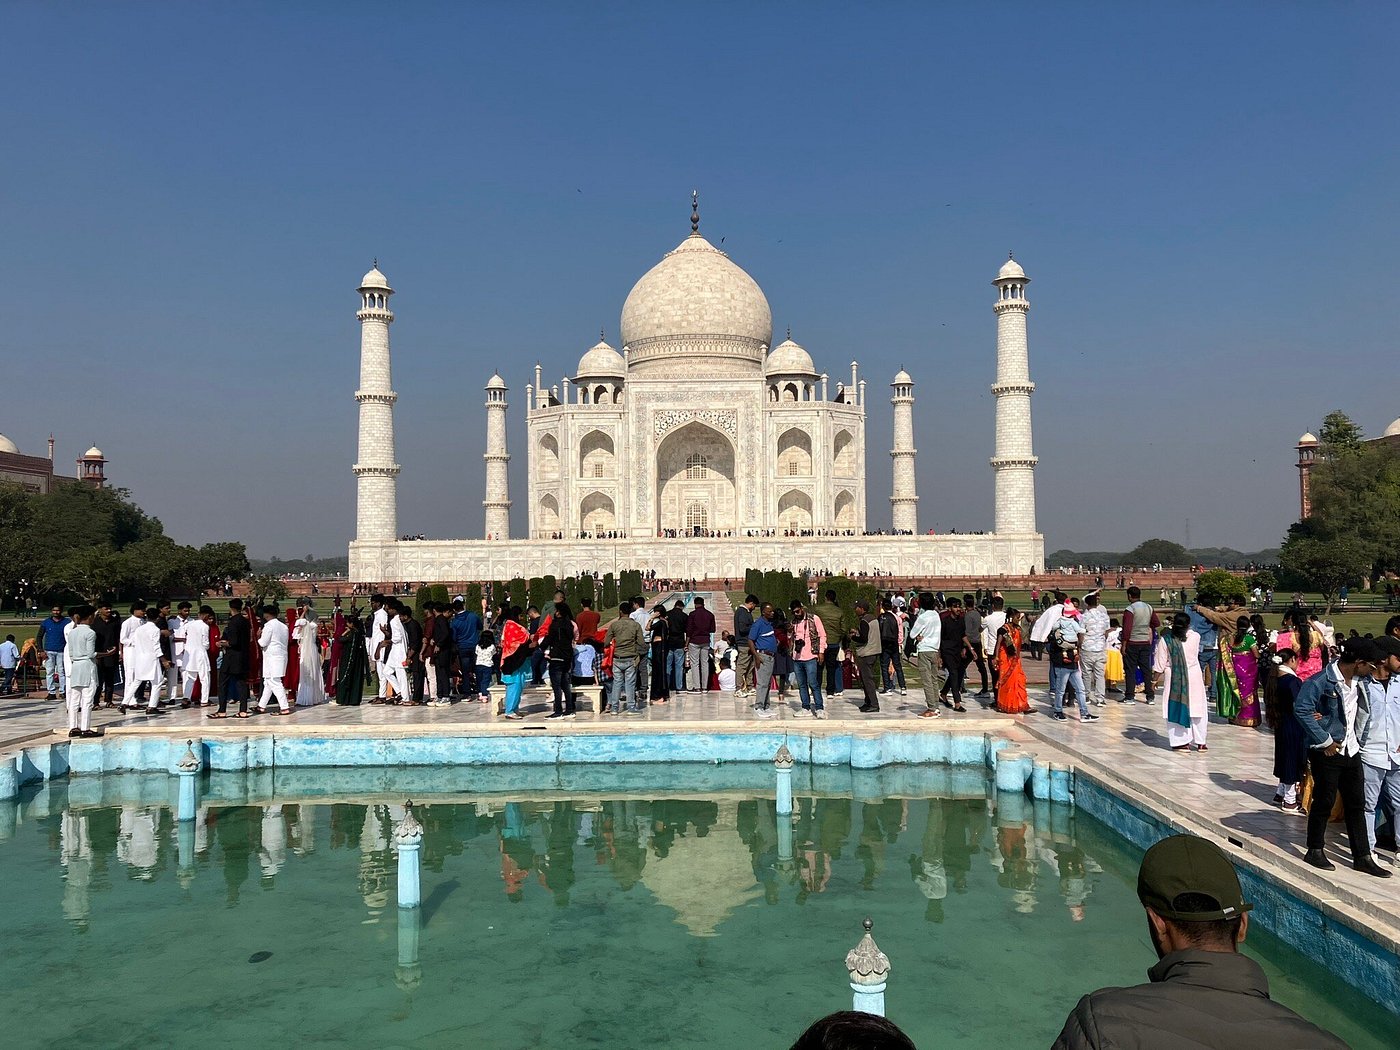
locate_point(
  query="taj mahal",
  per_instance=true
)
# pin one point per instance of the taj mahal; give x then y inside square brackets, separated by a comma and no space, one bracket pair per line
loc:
[698,450]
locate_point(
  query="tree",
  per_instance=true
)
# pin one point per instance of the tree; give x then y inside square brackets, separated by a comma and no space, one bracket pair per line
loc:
[1263,579]
[88,571]
[1219,587]
[1325,565]
[1339,435]
[215,564]
[609,598]
[1157,552]
[265,588]
[1356,497]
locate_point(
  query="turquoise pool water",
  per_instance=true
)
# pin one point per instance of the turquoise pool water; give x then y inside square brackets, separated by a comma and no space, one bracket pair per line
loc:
[557,916]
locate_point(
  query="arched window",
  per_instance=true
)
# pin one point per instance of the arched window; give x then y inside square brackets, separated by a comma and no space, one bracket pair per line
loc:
[598,471]
[697,516]
[696,468]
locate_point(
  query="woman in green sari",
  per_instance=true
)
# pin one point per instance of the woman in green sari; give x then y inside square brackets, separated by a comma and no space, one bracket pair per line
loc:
[354,672]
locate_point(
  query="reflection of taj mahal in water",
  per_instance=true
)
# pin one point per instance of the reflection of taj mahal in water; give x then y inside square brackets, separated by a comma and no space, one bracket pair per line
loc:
[696,450]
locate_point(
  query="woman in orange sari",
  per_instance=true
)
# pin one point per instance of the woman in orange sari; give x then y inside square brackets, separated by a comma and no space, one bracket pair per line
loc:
[1011,676]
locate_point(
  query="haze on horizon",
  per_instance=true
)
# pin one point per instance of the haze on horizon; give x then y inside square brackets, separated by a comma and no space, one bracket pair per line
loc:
[1203,199]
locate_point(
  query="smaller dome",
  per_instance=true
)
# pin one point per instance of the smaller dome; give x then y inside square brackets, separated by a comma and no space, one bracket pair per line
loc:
[375,279]
[495,382]
[602,360]
[1309,438]
[789,358]
[94,453]
[901,378]
[6,445]
[1393,430]
[1010,268]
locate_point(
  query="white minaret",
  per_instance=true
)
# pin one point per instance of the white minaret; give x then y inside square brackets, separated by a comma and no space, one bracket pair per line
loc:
[904,504]
[497,501]
[376,497]
[1014,461]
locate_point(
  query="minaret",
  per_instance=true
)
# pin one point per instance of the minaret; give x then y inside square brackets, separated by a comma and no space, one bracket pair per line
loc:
[376,498]
[1014,462]
[497,501]
[904,504]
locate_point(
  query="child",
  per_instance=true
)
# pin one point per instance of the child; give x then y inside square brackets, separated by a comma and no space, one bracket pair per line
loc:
[1113,658]
[485,658]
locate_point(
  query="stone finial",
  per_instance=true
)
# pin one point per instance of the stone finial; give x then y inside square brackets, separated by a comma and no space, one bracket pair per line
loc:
[409,830]
[189,761]
[866,963]
[694,211]
[783,759]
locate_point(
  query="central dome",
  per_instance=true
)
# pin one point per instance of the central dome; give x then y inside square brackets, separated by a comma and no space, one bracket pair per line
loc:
[696,303]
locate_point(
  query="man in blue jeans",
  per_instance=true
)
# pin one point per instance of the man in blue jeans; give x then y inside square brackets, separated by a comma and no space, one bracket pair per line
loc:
[466,632]
[830,615]
[808,644]
[1210,648]
[50,636]
[763,648]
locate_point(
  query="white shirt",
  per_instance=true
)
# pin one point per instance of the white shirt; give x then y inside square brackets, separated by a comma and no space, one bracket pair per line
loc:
[727,679]
[1095,622]
[273,641]
[127,635]
[1350,746]
[928,631]
[177,637]
[398,643]
[376,634]
[1045,623]
[196,644]
[145,654]
[991,624]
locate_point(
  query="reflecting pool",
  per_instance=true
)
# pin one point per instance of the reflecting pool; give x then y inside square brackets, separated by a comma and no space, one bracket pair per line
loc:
[694,916]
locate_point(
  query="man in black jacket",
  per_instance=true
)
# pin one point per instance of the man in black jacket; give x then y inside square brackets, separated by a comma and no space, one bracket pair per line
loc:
[1203,992]
[108,627]
[234,665]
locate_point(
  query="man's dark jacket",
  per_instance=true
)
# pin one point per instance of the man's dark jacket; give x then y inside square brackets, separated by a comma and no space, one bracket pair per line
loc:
[1196,1000]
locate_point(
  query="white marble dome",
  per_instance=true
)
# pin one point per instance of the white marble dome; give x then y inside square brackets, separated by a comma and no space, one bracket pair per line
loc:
[495,382]
[696,302]
[6,445]
[601,360]
[1393,430]
[375,279]
[901,378]
[1010,268]
[94,453]
[788,358]
[1308,438]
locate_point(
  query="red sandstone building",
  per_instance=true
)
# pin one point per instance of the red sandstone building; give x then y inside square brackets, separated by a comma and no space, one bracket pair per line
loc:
[36,473]
[1307,456]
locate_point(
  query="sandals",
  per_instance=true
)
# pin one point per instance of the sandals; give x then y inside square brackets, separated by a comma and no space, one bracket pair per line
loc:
[959,707]
[217,714]
[241,714]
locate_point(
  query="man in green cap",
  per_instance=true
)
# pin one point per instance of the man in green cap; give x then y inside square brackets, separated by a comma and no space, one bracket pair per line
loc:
[1202,993]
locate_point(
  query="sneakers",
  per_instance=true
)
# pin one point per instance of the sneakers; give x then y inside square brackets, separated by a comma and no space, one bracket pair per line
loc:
[904,692]
[930,712]
[515,716]
[765,712]
[1088,718]
[570,716]
[819,713]
[555,714]
[1058,715]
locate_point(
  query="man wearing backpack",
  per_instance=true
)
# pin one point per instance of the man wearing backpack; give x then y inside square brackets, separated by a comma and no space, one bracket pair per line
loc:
[889,650]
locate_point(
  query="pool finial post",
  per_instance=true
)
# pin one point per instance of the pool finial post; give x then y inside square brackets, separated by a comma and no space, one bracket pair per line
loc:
[869,970]
[408,839]
[783,763]
[188,770]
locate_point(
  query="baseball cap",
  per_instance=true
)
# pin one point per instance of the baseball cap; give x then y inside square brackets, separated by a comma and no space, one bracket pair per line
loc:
[1186,864]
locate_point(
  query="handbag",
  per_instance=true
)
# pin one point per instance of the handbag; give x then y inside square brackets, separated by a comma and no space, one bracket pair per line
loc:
[1305,797]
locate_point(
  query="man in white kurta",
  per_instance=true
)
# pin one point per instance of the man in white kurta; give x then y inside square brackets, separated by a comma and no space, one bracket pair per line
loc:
[177,625]
[273,642]
[81,652]
[145,665]
[377,623]
[126,647]
[398,654]
[196,658]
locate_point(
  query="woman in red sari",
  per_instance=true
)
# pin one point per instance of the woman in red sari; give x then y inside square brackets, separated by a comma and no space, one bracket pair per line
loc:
[1011,676]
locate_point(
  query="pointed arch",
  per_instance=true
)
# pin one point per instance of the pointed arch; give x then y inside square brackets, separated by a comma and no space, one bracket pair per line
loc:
[596,458]
[794,510]
[845,510]
[547,458]
[794,453]
[547,517]
[597,513]
[843,455]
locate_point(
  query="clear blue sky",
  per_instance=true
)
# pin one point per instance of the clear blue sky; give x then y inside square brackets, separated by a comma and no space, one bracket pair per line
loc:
[1203,195]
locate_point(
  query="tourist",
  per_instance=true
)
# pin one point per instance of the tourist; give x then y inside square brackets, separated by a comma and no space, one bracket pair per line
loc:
[763,651]
[1380,755]
[586,622]
[992,623]
[1139,621]
[378,642]
[1113,656]
[831,617]
[50,637]
[9,662]
[353,671]
[558,645]
[1290,745]
[178,685]
[627,641]
[654,633]
[676,621]
[311,689]
[81,648]
[642,617]
[1210,646]
[485,662]
[1177,667]
[1093,649]
[976,654]
[466,632]
[865,642]
[808,646]
[1244,657]
[538,626]
[743,623]
[1065,641]
[413,655]
[891,663]
[699,632]
[727,678]
[198,671]
[1297,634]
[1012,698]
[107,627]
[927,633]
[1202,992]
[167,657]
[953,654]
[273,641]
[1331,710]
[782,659]
[516,646]
[1045,623]
[144,650]
[853,1030]
[442,652]
[233,645]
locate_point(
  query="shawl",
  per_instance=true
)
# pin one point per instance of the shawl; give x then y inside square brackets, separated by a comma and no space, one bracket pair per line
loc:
[1179,692]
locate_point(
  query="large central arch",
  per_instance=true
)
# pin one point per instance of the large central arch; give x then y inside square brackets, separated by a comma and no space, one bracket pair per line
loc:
[695,465]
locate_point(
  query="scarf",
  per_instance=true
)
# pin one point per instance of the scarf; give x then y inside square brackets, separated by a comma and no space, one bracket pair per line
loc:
[1179,694]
